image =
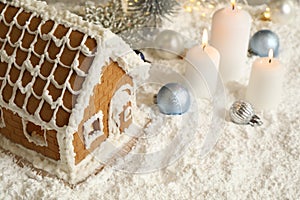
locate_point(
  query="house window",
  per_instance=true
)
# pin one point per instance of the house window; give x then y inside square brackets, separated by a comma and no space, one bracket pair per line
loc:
[92,129]
[2,122]
[34,133]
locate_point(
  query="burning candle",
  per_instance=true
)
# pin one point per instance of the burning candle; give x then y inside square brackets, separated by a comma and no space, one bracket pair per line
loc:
[230,35]
[203,75]
[265,84]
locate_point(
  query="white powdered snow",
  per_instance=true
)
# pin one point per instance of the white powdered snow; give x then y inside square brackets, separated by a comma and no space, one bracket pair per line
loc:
[246,163]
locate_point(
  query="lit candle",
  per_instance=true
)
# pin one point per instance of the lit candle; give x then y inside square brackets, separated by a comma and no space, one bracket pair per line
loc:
[265,84]
[202,76]
[230,35]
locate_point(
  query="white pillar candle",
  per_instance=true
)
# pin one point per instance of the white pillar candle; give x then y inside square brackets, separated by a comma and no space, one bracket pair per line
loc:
[265,84]
[230,35]
[203,73]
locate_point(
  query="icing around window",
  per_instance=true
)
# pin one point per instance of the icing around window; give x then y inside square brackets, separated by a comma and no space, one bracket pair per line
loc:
[127,114]
[2,122]
[34,133]
[120,109]
[92,129]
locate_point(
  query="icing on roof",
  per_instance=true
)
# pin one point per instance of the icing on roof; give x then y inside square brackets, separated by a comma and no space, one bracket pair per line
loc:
[48,62]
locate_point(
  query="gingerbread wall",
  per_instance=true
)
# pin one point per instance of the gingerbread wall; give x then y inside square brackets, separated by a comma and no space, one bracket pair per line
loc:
[14,132]
[113,77]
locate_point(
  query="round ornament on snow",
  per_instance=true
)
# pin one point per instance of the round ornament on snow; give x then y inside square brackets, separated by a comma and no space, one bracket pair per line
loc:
[173,99]
[262,41]
[282,11]
[169,44]
[242,113]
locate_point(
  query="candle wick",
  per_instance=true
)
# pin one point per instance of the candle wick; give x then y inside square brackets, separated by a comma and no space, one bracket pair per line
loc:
[233,6]
[203,46]
[270,60]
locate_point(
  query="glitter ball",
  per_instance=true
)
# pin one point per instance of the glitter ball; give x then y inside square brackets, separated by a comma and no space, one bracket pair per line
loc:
[262,41]
[173,99]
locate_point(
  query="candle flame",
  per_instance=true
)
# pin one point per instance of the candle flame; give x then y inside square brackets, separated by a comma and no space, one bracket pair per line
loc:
[204,38]
[271,55]
[233,3]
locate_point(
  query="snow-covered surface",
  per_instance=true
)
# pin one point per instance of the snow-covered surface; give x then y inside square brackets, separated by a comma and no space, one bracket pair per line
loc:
[246,163]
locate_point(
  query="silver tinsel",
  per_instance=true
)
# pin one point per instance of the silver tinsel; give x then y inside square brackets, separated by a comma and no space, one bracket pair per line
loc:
[153,10]
[135,23]
[112,16]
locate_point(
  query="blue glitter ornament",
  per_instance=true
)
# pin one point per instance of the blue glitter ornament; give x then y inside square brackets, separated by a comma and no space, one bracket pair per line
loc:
[173,99]
[262,41]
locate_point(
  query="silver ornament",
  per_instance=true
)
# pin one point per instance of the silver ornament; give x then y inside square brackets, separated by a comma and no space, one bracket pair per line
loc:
[242,112]
[282,11]
[169,44]
[262,41]
[173,99]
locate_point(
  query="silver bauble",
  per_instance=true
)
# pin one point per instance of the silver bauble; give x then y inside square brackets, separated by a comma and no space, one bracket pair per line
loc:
[242,112]
[282,11]
[257,2]
[173,99]
[169,44]
[262,41]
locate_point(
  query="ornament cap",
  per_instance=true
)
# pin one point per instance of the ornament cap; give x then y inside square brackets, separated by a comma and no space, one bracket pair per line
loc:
[255,121]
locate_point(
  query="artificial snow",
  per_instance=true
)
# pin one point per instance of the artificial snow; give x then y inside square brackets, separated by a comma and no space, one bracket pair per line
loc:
[246,163]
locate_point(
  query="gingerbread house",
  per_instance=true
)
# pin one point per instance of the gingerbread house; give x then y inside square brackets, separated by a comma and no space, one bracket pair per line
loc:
[66,87]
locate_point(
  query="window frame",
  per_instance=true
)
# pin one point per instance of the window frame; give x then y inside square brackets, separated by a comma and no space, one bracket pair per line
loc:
[34,138]
[89,133]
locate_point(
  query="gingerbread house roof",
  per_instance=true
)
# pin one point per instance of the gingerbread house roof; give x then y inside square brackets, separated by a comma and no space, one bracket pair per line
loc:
[50,60]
